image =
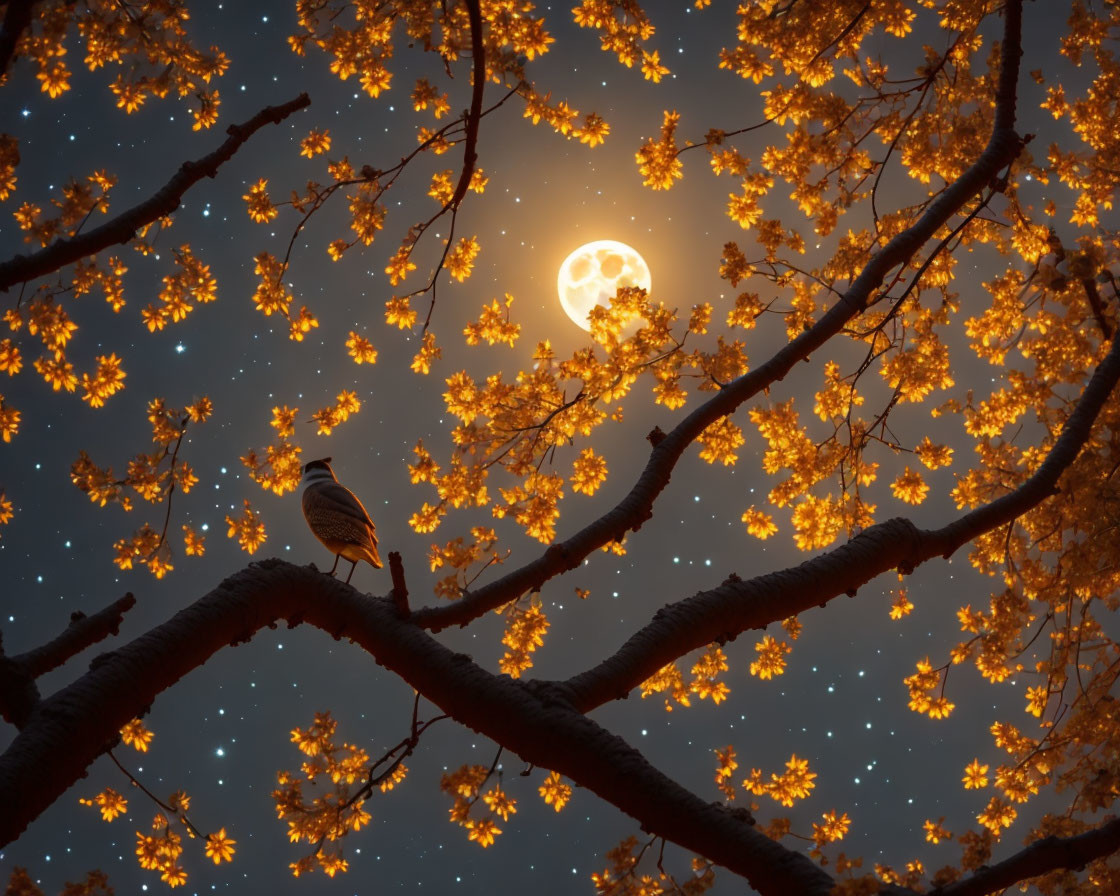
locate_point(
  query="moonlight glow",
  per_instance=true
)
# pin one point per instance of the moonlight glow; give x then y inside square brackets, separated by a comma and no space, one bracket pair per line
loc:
[592,275]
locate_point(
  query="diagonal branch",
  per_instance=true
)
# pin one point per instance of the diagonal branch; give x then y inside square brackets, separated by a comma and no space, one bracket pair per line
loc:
[124,226]
[1041,857]
[637,506]
[71,728]
[722,613]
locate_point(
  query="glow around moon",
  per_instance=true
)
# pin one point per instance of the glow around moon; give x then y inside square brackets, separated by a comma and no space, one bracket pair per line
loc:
[594,272]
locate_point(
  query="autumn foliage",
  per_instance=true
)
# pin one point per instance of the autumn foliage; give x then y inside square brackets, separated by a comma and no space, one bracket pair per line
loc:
[886,221]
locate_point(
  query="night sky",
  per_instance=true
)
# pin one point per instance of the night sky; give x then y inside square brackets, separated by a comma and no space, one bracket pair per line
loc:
[222,733]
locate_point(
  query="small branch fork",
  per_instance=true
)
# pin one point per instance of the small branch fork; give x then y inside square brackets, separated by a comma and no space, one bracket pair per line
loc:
[171,811]
[394,755]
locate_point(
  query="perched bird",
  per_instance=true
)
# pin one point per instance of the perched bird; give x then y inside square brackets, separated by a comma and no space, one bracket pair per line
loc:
[337,518]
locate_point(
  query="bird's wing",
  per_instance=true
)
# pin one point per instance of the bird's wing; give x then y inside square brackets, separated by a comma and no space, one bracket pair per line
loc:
[338,497]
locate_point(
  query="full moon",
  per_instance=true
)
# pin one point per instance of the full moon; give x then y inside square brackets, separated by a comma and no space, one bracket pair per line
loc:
[592,275]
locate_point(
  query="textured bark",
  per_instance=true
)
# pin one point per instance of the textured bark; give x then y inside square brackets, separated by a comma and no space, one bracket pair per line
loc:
[536,720]
[636,507]
[124,226]
[70,729]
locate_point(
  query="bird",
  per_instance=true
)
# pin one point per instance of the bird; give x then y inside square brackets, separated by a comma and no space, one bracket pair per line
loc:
[337,518]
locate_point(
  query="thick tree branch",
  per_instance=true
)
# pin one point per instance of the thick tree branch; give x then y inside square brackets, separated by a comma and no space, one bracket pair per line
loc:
[637,506]
[723,613]
[124,226]
[18,691]
[1041,857]
[544,722]
[71,728]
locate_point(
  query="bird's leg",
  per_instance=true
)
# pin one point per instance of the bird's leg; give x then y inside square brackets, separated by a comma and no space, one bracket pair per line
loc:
[333,568]
[352,568]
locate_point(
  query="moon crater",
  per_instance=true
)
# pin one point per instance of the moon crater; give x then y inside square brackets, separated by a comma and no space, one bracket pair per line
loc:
[593,274]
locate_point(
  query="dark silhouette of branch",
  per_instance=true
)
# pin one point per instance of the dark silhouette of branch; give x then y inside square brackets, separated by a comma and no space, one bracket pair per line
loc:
[637,506]
[478,83]
[722,613]
[1094,296]
[17,18]
[18,691]
[400,588]
[1041,857]
[80,634]
[124,226]
[71,728]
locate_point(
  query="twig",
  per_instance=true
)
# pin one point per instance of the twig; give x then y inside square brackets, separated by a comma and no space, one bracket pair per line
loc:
[182,816]
[400,589]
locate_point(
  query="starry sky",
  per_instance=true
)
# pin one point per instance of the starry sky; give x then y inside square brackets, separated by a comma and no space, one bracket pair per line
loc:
[222,733]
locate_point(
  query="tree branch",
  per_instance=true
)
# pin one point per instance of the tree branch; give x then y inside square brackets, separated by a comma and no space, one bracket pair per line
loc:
[16,20]
[399,594]
[1041,857]
[80,634]
[71,728]
[478,83]
[123,227]
[18,691]
[1094,296]
[722,613]
[637,506]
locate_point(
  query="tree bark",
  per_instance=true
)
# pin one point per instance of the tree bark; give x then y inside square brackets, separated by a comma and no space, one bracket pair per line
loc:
[70,729]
